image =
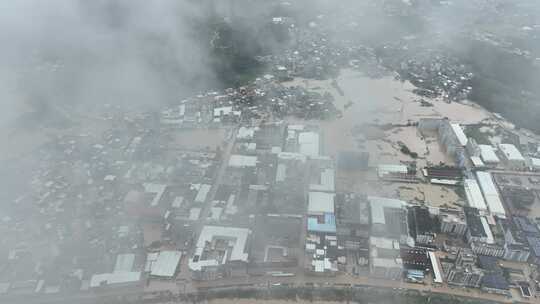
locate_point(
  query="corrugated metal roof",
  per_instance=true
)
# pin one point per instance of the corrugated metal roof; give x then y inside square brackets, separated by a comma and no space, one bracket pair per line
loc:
[309,144]
[320,202]
[474,194]
[511,152]
[477,161]
[458,131]
[435,267]
[327,181]
[384,169]
[124,262]
[487,153]
[166,264]
[491,195]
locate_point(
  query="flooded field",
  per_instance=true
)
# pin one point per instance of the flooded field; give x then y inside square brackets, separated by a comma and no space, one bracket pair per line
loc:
[431,195]
[367,102]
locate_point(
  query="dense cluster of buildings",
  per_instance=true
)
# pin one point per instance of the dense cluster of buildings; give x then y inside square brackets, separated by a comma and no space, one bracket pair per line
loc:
[266,201]
[221,187]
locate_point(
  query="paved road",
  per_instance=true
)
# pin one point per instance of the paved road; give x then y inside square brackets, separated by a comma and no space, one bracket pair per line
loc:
[340,281]
[218,180]
[344,280]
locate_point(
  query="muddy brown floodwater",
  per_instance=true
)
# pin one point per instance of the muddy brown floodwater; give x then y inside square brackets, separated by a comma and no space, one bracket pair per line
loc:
[382,101]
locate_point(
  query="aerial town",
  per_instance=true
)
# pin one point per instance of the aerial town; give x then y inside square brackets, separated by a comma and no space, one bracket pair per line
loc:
[289,180]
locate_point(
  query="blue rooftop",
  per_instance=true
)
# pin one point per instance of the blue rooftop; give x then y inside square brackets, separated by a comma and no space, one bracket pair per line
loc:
[329,224]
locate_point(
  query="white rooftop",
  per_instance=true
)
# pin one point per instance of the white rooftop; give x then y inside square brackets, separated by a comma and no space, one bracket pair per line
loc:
[245,133]
[309,144]
[477,161]
[488,154]
[202,193]
[511,152]
[535,162]
[491,195]
[384,169]
[166,264]
[124,262]
[237,238]
[474,194]
[458,131]
[320,202]
[436,268]
[240,161]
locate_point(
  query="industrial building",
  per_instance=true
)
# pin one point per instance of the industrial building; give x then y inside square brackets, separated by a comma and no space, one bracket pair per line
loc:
[220,252]
[320,203]
[389,219]
[512,157]
[436,268]
[491,195]
[123,274]
[449,176]
[309,144]
[165,265]
[399,173]
[475,199]
[384,258]
[115,280]
[488,155]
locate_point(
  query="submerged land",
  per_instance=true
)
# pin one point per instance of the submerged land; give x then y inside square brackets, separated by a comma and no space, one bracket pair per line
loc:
[328,169]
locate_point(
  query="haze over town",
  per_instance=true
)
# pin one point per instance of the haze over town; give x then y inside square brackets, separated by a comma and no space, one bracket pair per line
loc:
[371,151]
